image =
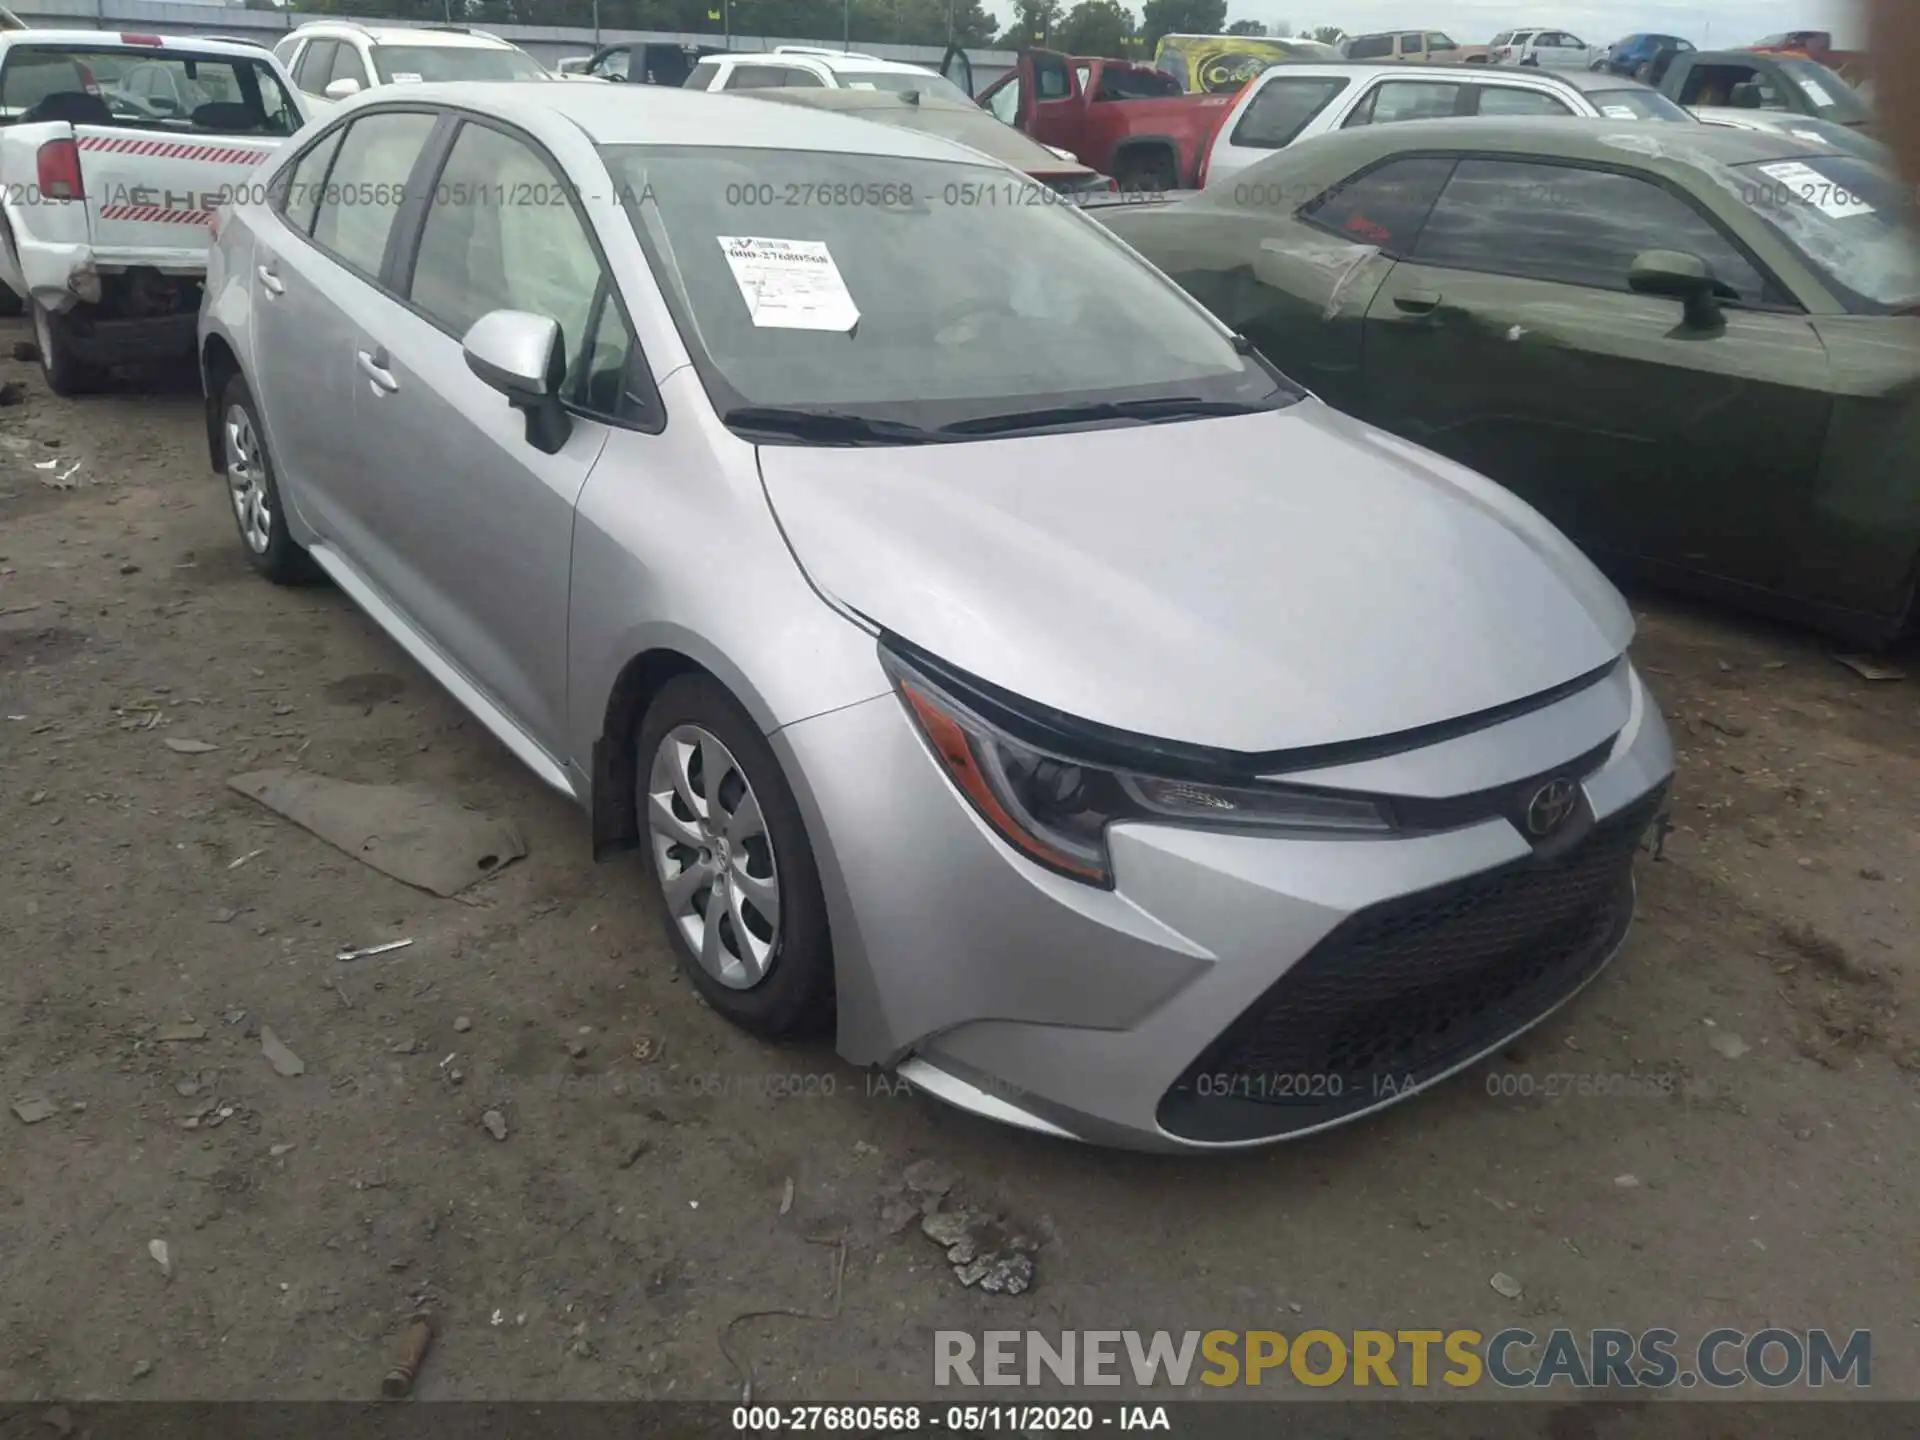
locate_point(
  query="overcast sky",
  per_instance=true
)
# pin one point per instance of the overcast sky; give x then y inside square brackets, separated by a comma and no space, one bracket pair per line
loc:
[1598,22]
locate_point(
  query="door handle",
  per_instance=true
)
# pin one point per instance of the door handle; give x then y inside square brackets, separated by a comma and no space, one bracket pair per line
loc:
[1418,302]
[269,281]
[373,365]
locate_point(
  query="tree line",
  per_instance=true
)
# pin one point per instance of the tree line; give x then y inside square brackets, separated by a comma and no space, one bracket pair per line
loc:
[1089,27]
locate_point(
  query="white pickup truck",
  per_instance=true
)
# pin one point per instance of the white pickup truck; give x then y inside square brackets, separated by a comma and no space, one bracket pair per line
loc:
[115,152]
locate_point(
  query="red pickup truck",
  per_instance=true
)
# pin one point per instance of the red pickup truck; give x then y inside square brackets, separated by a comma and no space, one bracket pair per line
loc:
[1130,121]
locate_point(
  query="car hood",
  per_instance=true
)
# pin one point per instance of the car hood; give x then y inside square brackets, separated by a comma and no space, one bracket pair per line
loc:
[1255,583]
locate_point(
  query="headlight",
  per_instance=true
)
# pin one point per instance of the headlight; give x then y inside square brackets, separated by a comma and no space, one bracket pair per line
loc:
[1055,809]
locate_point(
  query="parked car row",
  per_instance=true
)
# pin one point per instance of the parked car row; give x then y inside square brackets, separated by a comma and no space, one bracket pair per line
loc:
[792,492]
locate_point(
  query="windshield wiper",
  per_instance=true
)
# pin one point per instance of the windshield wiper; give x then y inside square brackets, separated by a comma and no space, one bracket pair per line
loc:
[1163,407]
[827,427]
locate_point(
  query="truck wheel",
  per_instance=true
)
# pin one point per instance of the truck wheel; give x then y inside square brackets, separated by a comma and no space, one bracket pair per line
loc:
[1147,170]
[67,375]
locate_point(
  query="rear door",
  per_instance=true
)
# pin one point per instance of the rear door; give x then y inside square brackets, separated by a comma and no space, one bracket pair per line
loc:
[958,68]
[317,262]
[1509,340]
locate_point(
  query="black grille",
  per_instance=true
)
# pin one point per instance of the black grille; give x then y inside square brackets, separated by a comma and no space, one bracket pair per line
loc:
[1402,992]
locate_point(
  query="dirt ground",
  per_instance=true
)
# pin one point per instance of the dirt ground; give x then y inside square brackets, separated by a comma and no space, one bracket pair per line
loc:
[640,1198]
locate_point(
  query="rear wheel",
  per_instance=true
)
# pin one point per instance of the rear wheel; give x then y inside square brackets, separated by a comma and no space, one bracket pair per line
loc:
[66,373]
[255,494]
[1150,170]
[736,873]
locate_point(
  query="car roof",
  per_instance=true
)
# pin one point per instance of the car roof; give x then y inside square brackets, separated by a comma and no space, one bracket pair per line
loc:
[669,115]
[1654,144]
[409,35]
[959,120]
[110,40]
[1581,80]
[836,63]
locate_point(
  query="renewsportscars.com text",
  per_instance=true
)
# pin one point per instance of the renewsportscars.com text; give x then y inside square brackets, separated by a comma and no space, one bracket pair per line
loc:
[1514,1358]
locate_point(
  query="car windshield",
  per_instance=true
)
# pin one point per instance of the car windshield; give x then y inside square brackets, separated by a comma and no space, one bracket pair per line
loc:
[1853,220]
[1637,103]
[917,291]
[403,63]
[1831,97]
[164,89]
[899,82]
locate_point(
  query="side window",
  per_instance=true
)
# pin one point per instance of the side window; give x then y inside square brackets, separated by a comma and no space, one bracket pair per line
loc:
[1413,44]
[1084,74]
[1282,108]
[1051,79]
[802,78]
[482,249]
[297,194]
[347,65]
[1385,206]
[316,66]
[1004,103]
[1509,100]
[367,184]
[701,77]
[756,77]
[1436,42]
[1574,226]
[283,52]
[1370,47]
[1395,100]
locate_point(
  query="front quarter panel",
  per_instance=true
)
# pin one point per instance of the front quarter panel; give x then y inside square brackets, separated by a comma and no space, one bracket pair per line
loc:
[676,548]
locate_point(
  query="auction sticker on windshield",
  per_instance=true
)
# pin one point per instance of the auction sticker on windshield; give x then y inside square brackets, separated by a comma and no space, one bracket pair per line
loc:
[405,77]
[1818,191]
[1816,92]
[790,284]
[1618,112]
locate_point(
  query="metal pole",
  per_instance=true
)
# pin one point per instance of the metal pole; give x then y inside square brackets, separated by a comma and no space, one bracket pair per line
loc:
[726,22]
[846,25]
[596,24]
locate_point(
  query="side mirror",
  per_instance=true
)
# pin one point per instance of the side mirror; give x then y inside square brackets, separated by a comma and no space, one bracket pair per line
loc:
[519,355]
[345,88]
[1682,277]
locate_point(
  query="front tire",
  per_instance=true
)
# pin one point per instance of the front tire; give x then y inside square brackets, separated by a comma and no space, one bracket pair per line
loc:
[737,877]
[255,494]
[66,374]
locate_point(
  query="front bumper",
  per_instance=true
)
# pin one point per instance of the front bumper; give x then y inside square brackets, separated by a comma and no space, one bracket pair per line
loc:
[1232,989]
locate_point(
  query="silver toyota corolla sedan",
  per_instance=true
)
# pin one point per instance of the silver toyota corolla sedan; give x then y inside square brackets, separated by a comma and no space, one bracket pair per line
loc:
[990,655]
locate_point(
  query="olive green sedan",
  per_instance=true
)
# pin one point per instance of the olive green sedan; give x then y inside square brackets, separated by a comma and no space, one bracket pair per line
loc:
[1695,349]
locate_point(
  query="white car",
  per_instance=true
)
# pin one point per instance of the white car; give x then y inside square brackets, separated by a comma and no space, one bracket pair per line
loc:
[806,65]
[1289,103]
[331,60]
[116,151]
[1548,49]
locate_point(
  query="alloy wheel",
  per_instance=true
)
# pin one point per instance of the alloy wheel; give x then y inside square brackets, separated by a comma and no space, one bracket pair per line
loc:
[713,856]
[247,480]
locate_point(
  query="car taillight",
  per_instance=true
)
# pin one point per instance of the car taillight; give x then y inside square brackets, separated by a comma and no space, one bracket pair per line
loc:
[87,82]
[59,166]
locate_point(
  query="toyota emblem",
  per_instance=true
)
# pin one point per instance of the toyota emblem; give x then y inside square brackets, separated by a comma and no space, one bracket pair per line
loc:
[1550,806]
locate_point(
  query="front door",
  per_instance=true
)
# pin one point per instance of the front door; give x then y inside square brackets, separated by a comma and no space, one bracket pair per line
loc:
[1054,108]
[480,520]
[958,68]
[1509,340]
